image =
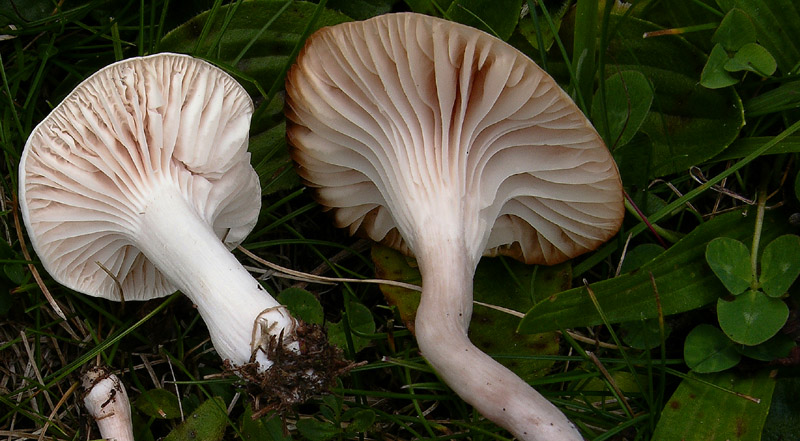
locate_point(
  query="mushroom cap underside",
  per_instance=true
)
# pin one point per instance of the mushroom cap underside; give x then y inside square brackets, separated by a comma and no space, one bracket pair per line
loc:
[90,167]
[400,116]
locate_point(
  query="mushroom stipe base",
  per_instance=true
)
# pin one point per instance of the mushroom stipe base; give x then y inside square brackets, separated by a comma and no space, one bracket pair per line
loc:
[294,377]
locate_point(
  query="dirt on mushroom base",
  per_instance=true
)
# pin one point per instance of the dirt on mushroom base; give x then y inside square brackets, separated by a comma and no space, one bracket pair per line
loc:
[293,377]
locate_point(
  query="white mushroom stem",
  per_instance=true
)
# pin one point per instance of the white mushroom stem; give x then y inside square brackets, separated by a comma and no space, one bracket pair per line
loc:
[235,307]
[441,329]
[107,402]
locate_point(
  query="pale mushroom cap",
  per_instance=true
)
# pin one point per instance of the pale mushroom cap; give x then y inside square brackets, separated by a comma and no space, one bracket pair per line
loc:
[397,116]
[139,124]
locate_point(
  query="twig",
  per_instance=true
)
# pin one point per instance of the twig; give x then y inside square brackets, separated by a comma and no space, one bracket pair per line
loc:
[624,254]
[611,381]
[323,279]
[55,409]
[32,361]
[358,246]
[674,190]
[698,176]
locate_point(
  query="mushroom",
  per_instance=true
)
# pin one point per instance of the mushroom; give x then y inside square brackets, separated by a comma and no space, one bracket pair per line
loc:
[107,402]
[139,183]
[447,143]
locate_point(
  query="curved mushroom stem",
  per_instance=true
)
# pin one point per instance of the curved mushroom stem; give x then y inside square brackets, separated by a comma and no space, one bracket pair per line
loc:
[441,329]
[107,402]
[239,313]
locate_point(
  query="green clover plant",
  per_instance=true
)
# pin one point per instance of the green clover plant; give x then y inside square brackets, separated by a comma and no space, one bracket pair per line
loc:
[754,312]
[735,50]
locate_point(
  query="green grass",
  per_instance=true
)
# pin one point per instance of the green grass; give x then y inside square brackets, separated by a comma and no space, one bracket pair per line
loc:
[609,390]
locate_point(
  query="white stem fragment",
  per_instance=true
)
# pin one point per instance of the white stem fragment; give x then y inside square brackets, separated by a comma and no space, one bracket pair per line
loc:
[107,402]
